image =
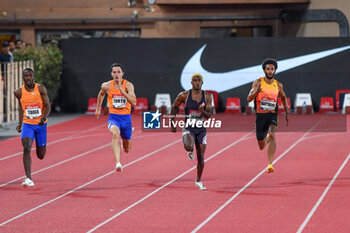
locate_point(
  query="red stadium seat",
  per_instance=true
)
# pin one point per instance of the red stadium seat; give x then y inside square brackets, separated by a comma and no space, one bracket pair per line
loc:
[281,107]
[92,106]
[337,98]
[327,104]
[141,105]
[233,105]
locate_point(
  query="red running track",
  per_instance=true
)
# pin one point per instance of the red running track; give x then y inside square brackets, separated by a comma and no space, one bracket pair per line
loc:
[78,191]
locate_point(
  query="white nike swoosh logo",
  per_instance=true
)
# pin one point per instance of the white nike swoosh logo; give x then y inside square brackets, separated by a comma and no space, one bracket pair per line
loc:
[225,81]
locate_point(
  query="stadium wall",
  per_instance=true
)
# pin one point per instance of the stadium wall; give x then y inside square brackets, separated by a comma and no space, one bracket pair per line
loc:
[156,66]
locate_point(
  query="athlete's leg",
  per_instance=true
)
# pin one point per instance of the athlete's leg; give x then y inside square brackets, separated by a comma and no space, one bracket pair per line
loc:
[265,141]
[188,140]
[40,139]
[262,126]
[127,145]
[27,160]
[125,134]
[115,142]
[200,149]
[272,143]
[40,151]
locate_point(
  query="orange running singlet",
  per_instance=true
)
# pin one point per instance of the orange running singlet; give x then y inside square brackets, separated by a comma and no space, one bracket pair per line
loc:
[32,105]
[117,102]
[266,100]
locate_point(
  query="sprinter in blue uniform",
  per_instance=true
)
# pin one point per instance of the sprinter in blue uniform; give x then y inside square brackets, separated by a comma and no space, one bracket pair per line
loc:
[197,108]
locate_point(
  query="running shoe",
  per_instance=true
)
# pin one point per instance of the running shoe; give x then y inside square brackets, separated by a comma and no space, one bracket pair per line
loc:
[27,183]
[270,169]
[118,167]
[190,155]
[200,185]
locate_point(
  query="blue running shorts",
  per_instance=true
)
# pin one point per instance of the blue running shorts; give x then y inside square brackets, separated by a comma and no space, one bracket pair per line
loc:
[37,132]
[123,122]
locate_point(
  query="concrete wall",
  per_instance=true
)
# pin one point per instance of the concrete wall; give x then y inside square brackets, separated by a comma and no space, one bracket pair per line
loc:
[330,29]
[28,18]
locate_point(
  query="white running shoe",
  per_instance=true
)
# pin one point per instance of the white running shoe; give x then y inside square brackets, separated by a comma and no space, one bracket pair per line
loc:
[190,155]
[200,185]
[118,167]
[27,183]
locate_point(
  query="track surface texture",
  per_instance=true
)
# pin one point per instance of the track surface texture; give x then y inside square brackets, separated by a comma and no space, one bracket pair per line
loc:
[77,190]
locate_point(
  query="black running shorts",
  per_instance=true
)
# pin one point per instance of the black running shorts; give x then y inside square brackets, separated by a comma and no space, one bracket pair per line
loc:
[263,122]
[199,134]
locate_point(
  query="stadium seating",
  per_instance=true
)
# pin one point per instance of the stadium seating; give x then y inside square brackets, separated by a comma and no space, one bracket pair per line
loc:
[233,105]
[141,105]
[327,104]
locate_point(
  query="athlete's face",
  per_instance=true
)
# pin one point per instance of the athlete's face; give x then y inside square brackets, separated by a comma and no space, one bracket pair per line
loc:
[117,73]
[28,79]
[269,71]
[197,83]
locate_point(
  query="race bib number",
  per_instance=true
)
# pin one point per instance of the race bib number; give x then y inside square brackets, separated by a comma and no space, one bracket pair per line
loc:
[119,101]
[196,115]
[268,105]
[33,111]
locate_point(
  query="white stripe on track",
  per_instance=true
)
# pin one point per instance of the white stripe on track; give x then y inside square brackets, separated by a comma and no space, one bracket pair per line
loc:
[252,180]
[54,142]
[90,182]
[67,160]
[59,163]
[303,225]
[165,185]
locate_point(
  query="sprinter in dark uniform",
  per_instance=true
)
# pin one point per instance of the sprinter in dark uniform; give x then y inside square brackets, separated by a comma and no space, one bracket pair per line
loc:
[197,108]
[265,92]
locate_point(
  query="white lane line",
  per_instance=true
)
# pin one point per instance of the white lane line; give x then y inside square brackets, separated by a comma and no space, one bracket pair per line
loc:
[56,164]
[251,181]
[165,185]
[54,142]
[307,219]
[67,160]
[90,182]
[327,134]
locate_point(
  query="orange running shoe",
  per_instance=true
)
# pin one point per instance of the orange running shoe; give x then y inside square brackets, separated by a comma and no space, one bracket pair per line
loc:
[270,168]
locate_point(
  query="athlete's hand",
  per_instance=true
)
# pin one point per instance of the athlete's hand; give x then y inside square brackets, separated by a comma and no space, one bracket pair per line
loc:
[257,89]
[97,113]
[42,121]
[201,107]
[287,118]
[19,128]
[173,129]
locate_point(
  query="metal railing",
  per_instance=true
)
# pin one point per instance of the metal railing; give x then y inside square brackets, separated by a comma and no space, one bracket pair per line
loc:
[11,80]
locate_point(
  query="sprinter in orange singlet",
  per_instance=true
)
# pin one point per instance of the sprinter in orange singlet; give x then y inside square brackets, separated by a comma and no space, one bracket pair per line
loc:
[34,108]
[265,92]
[120,97]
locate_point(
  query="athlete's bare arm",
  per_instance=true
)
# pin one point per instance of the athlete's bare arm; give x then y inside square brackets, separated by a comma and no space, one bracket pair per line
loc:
[129,94]
[284,100]
[18,94]
[46,103]
[180,99]
[206,110]
[256,88]
[101,95]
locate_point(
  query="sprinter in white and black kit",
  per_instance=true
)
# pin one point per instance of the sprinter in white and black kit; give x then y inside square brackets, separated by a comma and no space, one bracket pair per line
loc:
[197,108]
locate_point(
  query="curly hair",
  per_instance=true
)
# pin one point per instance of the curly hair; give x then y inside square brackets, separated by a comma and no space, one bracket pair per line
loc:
[269,61]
